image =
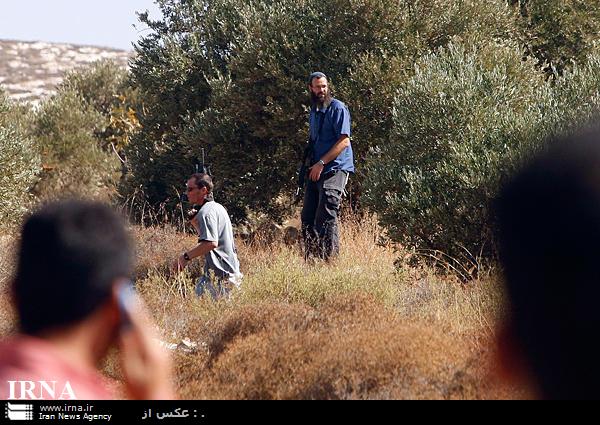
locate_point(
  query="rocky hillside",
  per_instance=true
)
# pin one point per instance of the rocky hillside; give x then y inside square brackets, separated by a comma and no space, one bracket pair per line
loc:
[30,71]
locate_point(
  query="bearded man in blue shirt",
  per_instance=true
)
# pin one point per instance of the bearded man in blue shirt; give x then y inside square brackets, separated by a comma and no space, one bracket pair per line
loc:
[333,160]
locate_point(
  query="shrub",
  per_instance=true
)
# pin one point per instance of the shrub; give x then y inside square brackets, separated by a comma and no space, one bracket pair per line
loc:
[73,161]
[104,86]
[578,94]
[19,162]
[464,121]
[467,120]
[558,33]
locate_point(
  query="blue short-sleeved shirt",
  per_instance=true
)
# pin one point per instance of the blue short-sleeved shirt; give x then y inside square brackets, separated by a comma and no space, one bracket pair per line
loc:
[337,122]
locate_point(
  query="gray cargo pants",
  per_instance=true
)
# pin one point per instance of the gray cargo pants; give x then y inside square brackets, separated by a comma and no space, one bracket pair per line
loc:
[319,216]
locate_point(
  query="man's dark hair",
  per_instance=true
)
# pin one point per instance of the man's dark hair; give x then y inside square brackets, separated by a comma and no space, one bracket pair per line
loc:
[314,75]
[549,222]
[71,252]
[203,180]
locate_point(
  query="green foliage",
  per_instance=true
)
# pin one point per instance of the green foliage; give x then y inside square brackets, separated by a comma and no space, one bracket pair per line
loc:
[578,94]
[98,84]
[81,130]
[105,87]
[223,75]
[19,162]
[457,131]
[558,33]
[468,118]
[73,160]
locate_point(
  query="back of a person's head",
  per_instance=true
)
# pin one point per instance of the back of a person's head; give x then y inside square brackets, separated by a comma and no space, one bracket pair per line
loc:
[549,221]
[70,254]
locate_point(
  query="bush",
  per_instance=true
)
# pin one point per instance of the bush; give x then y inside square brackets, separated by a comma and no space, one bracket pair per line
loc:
[578,95]
[69,145]
[19,162]
[558,33]
[73,161]
[464,122]
[467,120]
[105,87]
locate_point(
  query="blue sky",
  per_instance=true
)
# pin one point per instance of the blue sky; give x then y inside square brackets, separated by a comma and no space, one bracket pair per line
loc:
[106,23]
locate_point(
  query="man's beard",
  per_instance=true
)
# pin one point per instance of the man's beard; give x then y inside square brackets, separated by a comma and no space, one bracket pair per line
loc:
[317,102]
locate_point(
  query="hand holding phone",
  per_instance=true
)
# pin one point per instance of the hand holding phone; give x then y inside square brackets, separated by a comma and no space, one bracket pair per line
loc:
[146,366]
[126,299]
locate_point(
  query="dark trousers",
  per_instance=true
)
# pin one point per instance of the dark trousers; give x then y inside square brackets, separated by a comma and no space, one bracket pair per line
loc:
[322,201]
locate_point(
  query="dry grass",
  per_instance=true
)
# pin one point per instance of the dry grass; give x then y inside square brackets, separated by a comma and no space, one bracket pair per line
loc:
[356,328]
[349,347]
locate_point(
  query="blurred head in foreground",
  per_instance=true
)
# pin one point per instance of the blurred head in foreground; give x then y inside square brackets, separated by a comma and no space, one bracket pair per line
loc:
[71,255]
[74,302]
[549,238]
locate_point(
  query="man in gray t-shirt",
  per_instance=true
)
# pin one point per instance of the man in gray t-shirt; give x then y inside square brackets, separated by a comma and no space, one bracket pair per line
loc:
[215,241]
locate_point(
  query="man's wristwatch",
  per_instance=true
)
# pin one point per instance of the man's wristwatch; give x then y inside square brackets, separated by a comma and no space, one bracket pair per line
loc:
[186,257]
[322,162]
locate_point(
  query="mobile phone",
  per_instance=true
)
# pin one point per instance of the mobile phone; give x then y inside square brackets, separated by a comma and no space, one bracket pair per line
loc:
[125,299]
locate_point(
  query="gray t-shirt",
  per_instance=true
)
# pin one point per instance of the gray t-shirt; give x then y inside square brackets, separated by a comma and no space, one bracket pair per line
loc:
[215,226]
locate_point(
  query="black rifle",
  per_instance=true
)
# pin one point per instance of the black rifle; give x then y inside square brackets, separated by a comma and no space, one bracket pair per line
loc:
[205,167]
[307,161]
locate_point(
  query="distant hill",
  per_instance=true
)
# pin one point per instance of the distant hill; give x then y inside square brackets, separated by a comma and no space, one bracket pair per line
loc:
[30,71]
